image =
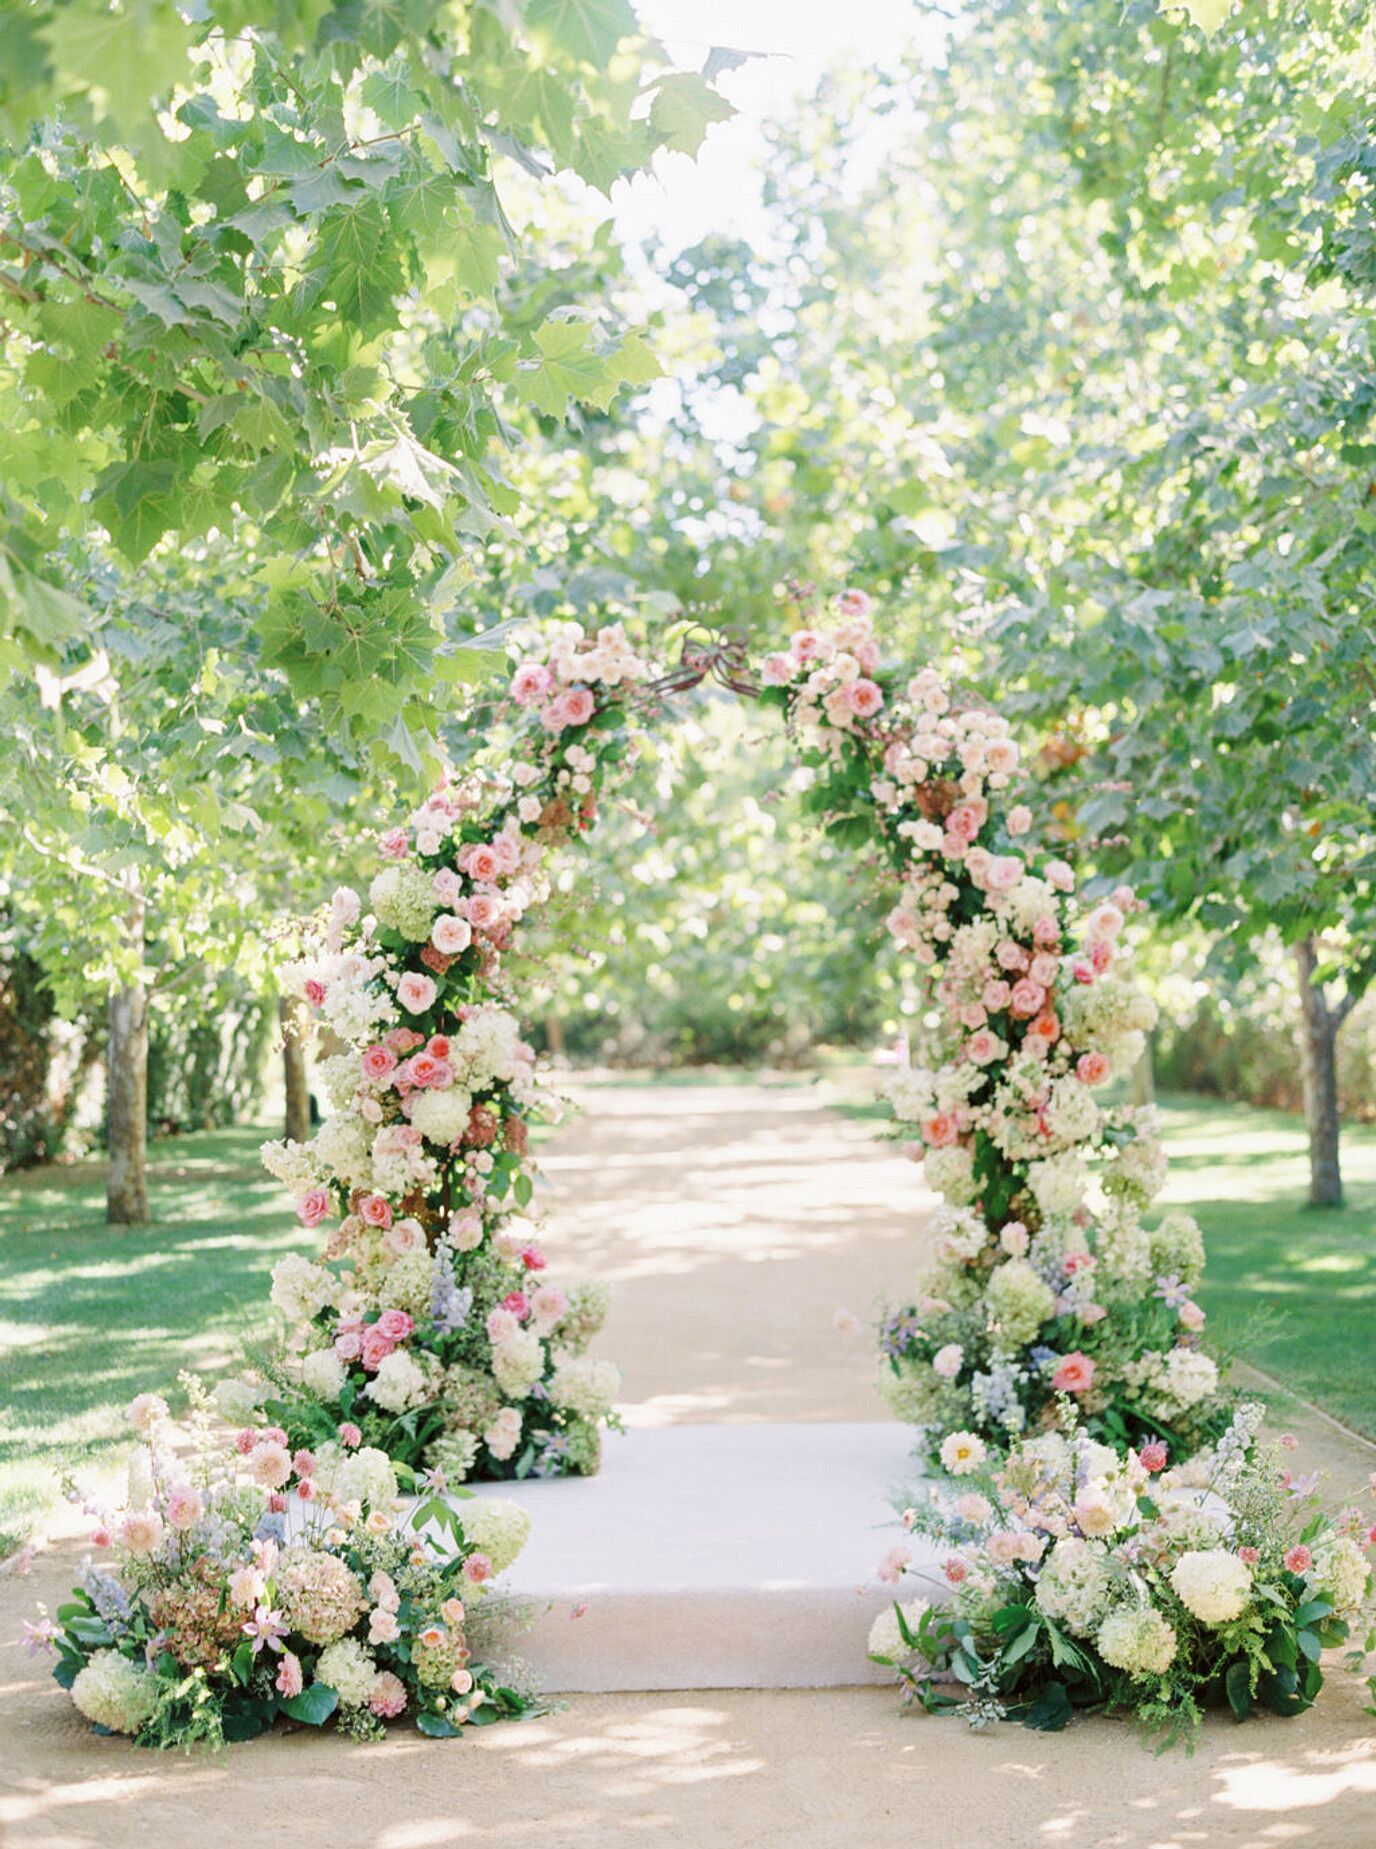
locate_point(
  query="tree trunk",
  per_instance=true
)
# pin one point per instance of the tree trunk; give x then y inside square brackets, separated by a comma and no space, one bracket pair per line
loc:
[126,1089]
[291,1016]
[1319,1066]
[554,1036]
[1142,1079]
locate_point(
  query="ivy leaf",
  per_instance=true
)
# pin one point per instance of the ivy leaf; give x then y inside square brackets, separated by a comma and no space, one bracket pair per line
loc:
[313,1706]
[684,108]
[586,29]
[1208,15]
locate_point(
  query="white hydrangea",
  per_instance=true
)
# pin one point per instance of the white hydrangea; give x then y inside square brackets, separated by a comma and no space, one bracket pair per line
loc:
[236,1400]
[323,1373]
[1074,1586]
[365,1475]
[1136,1638]
[442,1116]
[1029,900]
[497,1527]
[485,1050]
[342,1149]
[115,1692]
[950,1172]
[886,1640]
[300,1289]
[1071,1112]
[1177,1248]
[517,1363]
[339,1078]
[1058,1184]
[1340,1572]
[1019,1301]
[1123,1244]
[295,1165]
[403,896]
[1172,1383]
[399,1383]
[910,1090]
[1212,1584]
[585,1386]
[347,1668]
[961,1234]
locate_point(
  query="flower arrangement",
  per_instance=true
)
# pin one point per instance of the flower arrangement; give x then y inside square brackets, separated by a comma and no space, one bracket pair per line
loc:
[429,1325]
[1081,1577]
[1049,1286]
[249,1583]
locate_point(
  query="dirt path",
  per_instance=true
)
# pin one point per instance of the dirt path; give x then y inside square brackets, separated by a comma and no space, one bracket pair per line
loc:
[731,1222]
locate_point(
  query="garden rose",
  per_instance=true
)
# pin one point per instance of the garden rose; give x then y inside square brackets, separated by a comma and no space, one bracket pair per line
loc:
[416,993]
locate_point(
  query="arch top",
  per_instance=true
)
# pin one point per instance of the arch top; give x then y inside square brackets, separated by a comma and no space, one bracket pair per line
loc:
[710,651]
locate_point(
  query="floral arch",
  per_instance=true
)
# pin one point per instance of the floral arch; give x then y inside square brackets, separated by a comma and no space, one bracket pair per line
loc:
[1115,1535]
[434,1329]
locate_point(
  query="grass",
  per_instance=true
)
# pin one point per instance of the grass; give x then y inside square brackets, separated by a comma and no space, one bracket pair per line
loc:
[95,1314]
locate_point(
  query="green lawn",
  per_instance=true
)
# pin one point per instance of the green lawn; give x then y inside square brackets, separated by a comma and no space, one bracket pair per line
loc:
[92,1314]
[1292,1287]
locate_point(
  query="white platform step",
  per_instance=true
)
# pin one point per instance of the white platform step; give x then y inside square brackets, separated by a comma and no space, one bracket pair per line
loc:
[716,1556]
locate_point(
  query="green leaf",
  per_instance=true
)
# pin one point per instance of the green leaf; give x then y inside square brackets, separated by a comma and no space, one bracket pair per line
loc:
[436,1727]
[313,1706]
[566,370]
[1237,1686]
[684,108]
[1309,1645]
[1208,15]
[1050,1712]
[586,29]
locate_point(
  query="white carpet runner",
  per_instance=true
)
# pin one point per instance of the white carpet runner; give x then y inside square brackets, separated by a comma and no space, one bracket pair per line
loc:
[717,1556]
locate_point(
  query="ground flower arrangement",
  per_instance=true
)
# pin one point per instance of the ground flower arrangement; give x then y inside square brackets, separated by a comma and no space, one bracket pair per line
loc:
[247,1583]
[1082,1578]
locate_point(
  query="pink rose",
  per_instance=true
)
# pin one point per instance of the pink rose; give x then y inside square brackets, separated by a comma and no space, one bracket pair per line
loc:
[402,1039]
[956,1571]
[289,1677]
[484,911]
[1044,969]
[1248,1556]
[1010,956]
[447,886]
[1027,997]
[1074,1375]
[1047,933]
[416,993]
[1152,1457]
[184,1507]
[963,823]
[939,1130]
[996,995]
[376,1348]
[350,1436]
[1298,1559]
[1191,1316]
[983,1048]
[865,698]
[477,1568]
[377,1062]
[348,1346]
[1092,1068]
[375,1210]
[314,992]
[303,1463]
[396,1325]
[530,683]
[1004,872]
[1059,874]
[393,844]
[313,1207]
[451,936]
[776,671]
